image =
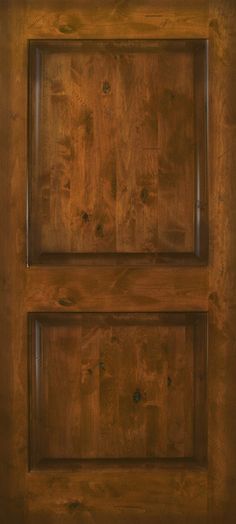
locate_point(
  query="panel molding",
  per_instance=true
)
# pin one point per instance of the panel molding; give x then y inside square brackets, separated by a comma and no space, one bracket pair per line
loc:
[39,323]
[199,255]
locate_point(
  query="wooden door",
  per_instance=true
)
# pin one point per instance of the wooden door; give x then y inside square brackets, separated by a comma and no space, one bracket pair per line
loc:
[118,193]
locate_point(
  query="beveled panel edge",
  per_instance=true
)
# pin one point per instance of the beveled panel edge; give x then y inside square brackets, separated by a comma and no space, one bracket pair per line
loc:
[199,322]
[199,257]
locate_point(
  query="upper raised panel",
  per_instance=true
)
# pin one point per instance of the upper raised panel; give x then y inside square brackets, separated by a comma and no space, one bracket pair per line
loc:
[117,388]
[117,148]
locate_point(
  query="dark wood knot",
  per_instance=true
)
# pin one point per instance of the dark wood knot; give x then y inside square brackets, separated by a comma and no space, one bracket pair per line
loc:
[66,29]
[73,505]
[144,195]
[85,216]
[65,302]
[99,231]
[106,87]
[137,396]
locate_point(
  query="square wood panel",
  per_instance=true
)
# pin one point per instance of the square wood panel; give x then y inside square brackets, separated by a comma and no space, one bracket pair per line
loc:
[117,152]
[117,388]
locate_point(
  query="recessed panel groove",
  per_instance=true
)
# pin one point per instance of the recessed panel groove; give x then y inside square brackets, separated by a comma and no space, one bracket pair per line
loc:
[117,152]
[117,388]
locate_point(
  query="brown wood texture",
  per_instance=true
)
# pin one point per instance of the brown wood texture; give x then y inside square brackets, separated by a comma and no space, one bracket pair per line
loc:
[132,386]
[123,496]
[5,311]
[13,244]
[127,495]
[116,289]
[222,321]
[172,491]
[117,148]
[117,19]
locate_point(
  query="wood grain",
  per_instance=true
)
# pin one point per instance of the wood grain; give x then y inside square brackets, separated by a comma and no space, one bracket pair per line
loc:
[117,19]
[116,289]
[126,386]
[222,331]
[117,158]
[13,156]
[5,325]
[170,494]
[118,496]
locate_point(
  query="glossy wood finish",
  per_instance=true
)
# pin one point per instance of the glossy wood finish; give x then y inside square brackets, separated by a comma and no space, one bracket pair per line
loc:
[222,325]
[117,144]
[117,386]
[172,494]
[5,324]
[121,494]
[117,19]
[13,380]
[116,289]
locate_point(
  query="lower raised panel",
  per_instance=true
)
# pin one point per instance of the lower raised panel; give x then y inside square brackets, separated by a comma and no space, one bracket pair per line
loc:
[117,388]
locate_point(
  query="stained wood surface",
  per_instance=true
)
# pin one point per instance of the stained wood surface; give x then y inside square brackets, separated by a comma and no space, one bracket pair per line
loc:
[111,386]
[117,18]
[171,494]
[116,289]
[122,495]
[116,151]
[5,301]
[222,319]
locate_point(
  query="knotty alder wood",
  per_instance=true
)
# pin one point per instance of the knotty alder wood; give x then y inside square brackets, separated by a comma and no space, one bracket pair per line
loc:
[117,152]
[121,497]
[13,368]
[5,315]
[117,19]
[116,289]
[129,495]
[222,325]
[132,386]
